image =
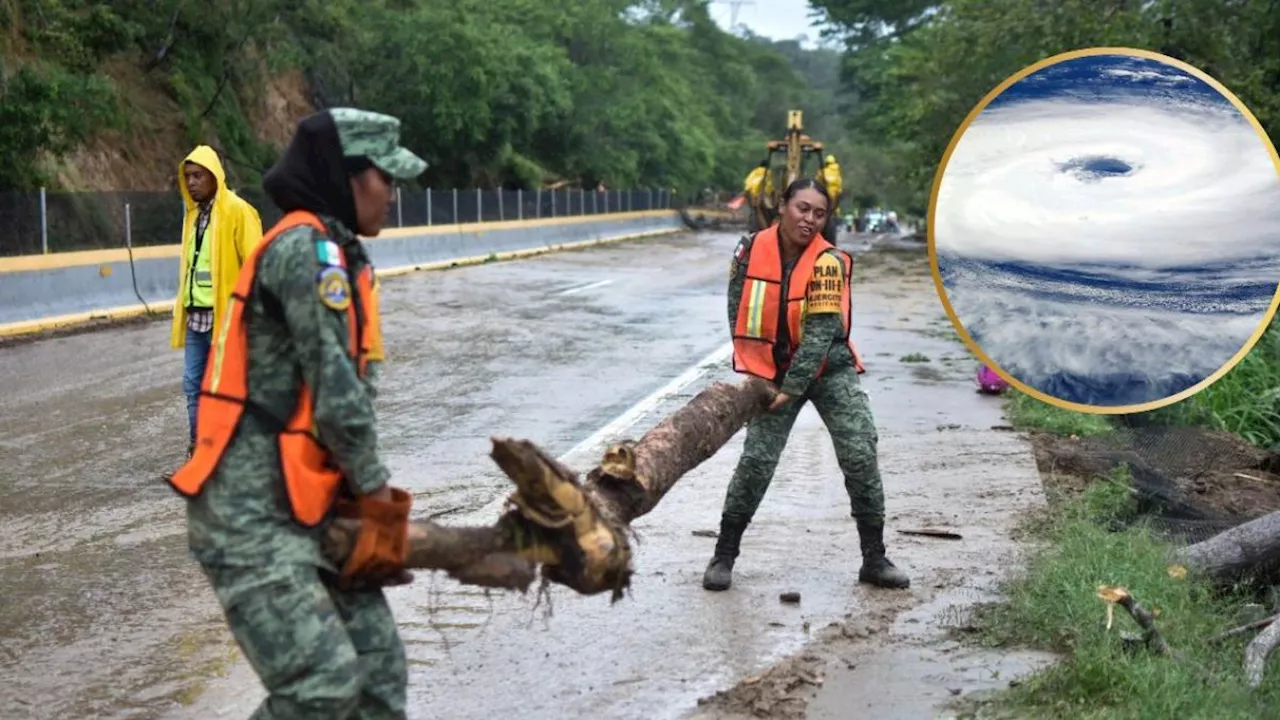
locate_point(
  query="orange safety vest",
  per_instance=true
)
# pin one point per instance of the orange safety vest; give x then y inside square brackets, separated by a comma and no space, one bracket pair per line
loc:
[311,478]
[761,306]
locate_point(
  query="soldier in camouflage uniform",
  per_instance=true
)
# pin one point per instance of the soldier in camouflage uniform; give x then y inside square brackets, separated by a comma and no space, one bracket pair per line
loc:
[836,394]
[322,648]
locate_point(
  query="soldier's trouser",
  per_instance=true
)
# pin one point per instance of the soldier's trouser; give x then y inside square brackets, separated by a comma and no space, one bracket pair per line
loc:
[845,410]
[321,652]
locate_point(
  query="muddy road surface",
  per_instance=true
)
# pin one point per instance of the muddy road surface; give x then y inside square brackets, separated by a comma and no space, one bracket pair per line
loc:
[105,615]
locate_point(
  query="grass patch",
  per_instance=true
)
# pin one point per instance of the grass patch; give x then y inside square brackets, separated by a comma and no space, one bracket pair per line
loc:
[914,358]
[1053,605]
[1027,413]
[1245,401]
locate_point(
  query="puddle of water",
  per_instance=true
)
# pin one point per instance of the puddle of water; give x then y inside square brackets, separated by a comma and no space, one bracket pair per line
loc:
[910,683]
[921,673]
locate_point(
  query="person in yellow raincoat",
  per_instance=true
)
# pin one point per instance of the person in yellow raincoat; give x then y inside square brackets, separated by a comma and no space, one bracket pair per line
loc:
[219,229]
[831,178]
[758,181]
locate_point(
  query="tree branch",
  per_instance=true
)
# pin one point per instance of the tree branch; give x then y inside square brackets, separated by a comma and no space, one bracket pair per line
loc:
[1143,617]
[170,37]
[222,83]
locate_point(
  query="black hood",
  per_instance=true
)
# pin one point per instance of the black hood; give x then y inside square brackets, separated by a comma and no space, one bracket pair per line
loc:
[312,174]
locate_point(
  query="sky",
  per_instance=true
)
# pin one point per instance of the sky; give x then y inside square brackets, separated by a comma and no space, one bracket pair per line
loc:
[775,19]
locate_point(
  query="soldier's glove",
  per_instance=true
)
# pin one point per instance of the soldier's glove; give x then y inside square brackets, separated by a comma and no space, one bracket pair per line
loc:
[382,541]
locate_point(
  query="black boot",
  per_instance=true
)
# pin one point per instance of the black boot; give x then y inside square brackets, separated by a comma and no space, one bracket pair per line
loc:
[876,568]
[719,574]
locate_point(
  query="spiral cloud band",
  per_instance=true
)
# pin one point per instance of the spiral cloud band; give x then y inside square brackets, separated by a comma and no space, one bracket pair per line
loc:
[1108,230]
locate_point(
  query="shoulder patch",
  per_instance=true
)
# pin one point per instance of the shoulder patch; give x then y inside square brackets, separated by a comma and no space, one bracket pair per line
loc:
[826,285]
[334,288]
[328,252]
[739,260]
[827,264]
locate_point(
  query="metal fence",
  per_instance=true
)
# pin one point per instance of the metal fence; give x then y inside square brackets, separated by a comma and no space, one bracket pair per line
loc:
[48,222]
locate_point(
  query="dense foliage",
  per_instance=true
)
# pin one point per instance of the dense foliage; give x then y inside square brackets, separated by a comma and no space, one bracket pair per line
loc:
[631,93]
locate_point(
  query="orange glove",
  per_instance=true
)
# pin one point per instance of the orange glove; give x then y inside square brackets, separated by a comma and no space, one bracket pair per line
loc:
[382,542]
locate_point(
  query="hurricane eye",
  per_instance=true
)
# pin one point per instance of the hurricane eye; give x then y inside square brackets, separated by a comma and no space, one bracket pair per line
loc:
[1093,168]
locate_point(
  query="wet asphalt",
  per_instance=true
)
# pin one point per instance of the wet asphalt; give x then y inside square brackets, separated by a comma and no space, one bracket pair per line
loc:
[105,615]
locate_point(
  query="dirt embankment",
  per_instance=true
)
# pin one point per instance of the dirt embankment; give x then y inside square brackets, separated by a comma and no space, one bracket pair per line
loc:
[144,154]
[1180,473]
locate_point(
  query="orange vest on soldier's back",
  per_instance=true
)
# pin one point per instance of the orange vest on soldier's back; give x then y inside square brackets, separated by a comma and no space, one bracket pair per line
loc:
[762,306]
[311,478]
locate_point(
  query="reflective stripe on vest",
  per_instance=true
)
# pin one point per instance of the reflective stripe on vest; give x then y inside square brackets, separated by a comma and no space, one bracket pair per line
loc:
[310,476]
[761,305]
[200,282]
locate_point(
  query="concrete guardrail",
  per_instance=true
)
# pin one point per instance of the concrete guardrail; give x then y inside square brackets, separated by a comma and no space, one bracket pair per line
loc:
[58,290]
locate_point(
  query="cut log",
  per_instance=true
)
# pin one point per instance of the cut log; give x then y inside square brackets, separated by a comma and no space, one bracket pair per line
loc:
[1248,549]
[577,531]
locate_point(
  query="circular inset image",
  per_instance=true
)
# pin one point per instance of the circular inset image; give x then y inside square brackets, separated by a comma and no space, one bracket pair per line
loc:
[1104,230]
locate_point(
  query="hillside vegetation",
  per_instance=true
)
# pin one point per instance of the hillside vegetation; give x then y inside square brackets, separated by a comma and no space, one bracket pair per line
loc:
[631,93]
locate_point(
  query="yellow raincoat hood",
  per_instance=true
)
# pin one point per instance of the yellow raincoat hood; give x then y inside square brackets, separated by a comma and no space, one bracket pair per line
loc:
[234,230]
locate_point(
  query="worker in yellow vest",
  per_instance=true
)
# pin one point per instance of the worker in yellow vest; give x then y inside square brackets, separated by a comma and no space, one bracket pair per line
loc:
[835,184]
[758,181]
[219,230]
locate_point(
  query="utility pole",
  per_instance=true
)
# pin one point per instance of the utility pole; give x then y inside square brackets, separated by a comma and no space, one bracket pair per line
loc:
[734,7]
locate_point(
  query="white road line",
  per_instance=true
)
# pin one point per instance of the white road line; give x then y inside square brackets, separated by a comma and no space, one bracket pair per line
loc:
[588,286]
[638,411]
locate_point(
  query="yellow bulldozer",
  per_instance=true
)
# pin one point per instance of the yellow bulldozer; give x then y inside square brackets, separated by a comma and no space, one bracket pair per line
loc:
[802,157]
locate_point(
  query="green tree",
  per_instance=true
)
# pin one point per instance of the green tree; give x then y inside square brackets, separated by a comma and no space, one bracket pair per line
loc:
[518,93]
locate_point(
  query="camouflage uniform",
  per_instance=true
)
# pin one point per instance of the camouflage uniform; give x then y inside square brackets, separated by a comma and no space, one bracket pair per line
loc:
[321,651]
[844,408]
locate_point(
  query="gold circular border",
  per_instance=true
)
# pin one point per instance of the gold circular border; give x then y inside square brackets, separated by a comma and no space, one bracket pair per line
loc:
[933,255]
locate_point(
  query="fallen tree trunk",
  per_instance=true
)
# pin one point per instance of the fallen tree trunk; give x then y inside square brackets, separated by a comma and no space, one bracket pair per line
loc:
[577,531]
[1247,549]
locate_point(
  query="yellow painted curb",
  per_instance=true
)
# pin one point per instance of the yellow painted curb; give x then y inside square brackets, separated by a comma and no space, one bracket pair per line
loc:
[62,322]
[165,307]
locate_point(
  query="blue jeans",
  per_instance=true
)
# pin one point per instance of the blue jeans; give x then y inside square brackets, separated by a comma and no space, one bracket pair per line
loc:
[197,357]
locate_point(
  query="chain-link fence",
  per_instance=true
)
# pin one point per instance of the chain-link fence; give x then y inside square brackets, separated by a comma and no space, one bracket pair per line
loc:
[49,222]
